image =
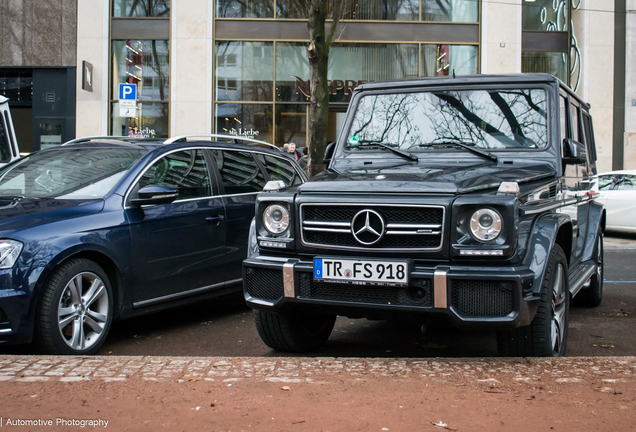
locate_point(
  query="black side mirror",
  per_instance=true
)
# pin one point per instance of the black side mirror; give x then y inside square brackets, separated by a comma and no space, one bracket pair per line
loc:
[155,194]
[573,152]
[329,153]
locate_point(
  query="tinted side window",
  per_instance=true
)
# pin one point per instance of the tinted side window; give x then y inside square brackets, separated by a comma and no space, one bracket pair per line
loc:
[5,152]
[184,170]
[574,123]
[589,136]
[239,172]
[563,116]
[280,169]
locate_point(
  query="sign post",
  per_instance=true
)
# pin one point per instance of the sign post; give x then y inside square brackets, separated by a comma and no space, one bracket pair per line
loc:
[127,100]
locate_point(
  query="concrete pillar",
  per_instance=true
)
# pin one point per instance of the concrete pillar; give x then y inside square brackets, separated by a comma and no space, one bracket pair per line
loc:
[191,67]
[630,88]
[593,25]
[501,36]
[92,46]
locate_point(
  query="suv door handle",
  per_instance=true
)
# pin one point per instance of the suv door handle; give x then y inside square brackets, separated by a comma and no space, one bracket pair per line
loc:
[216,219]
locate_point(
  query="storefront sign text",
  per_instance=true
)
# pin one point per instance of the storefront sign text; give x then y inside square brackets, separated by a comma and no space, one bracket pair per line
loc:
[334,86]
[247,133]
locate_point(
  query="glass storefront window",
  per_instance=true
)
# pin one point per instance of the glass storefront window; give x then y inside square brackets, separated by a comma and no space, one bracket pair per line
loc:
[141,8]
[245,9]
[548,15]
[292,72]
[440,60]
[17,86]
[291,124]
[353,64]
[379,10]
[142,62]
[554,63]
[150,121]
[450,10]
[244,71]
[246,120]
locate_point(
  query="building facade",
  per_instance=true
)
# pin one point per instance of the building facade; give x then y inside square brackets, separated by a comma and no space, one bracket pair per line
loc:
[240,67]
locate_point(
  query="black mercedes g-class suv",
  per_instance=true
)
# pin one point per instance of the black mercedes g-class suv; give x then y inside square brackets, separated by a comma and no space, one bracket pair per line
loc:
[468,197]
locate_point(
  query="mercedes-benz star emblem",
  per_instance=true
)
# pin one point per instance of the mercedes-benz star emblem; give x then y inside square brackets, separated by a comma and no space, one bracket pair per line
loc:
[367,227]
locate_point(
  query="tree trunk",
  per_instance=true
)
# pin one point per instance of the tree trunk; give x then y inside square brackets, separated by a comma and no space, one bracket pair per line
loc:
[318,52]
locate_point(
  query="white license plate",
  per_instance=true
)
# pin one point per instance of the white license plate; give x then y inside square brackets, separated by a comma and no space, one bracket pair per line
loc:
[361,271]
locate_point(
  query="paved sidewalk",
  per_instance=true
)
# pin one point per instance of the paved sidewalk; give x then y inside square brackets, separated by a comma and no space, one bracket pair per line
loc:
[109,368]
[317,394]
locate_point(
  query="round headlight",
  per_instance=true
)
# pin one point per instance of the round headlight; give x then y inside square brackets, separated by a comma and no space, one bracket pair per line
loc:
[485,225]
[276,219]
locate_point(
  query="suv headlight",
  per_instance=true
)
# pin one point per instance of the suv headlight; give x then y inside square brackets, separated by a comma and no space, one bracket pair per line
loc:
[276,219]
[9,253]
[485,225]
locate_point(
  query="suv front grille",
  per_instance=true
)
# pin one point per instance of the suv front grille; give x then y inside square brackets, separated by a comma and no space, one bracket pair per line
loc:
[482,298]
[418,293]
[406,227]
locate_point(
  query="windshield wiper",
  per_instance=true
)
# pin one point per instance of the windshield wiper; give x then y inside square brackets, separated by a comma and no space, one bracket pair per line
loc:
[387,147]
[470,147]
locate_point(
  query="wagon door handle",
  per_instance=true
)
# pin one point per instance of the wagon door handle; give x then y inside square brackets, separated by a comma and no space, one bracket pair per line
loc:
[216,219]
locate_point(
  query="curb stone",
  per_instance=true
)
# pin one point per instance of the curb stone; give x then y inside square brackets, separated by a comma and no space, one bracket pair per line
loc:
[301,369]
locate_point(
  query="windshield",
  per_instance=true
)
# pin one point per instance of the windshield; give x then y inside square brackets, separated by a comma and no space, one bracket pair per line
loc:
[68,173]
[487,119]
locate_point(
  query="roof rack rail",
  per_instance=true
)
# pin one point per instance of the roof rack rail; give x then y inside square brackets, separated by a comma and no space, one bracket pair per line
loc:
[249,141]
[107,137]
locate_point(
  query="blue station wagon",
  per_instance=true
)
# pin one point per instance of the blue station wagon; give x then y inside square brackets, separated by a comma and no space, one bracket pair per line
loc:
[107,230]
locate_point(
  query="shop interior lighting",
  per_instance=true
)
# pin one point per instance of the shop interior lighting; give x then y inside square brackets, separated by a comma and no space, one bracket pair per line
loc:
[130,48]
[134,76]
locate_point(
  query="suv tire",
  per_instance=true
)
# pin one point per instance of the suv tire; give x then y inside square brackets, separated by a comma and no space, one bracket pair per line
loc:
[300,333]
[593,295]
[546,336]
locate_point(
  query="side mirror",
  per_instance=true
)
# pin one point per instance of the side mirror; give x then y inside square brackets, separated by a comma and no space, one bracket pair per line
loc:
[155,194]
[573,152]
[329,153]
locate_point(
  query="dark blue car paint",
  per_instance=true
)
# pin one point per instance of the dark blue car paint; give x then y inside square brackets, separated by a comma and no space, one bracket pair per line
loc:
[54,230]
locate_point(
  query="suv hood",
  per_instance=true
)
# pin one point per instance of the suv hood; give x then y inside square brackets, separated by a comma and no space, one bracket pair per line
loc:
[24,213]
[452,179]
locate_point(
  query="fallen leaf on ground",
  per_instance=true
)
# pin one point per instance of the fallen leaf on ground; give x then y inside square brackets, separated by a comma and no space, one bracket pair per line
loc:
[442,425]
[286,388]
[192,378]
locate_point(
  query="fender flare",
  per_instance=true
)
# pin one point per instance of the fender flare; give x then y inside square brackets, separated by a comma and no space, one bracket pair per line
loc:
[596,225]
[541,241]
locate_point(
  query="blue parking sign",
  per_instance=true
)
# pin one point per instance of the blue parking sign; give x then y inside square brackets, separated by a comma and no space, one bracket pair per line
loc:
[128,92]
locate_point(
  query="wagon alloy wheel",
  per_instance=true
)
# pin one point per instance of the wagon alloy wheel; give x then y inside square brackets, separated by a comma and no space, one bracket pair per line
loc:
[75,309]
[559,311]
[83,311]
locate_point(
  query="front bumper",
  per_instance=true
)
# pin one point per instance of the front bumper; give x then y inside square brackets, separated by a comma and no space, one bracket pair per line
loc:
[470,296]
[16,320]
